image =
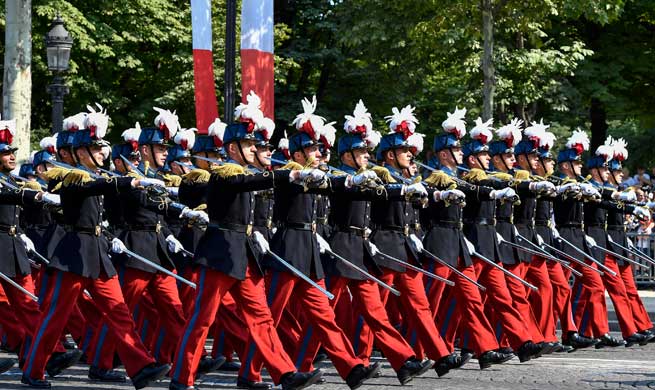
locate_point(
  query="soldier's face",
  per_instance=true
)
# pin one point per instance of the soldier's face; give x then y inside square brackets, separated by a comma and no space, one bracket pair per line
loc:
[604,174]
[7,161]
[577,167]
[249,149]
[480,160]
[264,154]
[412,170]
[313,153]
[160,152]
[404,157]
[618,176]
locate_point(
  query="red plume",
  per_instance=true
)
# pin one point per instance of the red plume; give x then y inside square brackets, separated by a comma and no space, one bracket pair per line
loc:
[403,128]
[509,141]
[579,148]
[309,129]
[135,145]
[6,137]
[92,130]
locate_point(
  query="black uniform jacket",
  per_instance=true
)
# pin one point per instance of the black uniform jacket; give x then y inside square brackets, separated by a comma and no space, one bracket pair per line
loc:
[82,249]
[14,260]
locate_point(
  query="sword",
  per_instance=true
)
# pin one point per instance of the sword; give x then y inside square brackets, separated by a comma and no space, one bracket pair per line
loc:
[132,166]
[453,269]
[506,272]
[590,258]
[211,160]
[363,272]
[158,267]
[301,275]
[417,269]
[547,256]
[110,173]
[188,253]
[616,255]
[40,257]
[580,262]
[633,249]
[23,179]
[66,166]
[18,286]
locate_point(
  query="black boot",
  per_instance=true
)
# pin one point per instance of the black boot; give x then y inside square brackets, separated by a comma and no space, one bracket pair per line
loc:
[636,338]
[150,373]
[102,375]
[243,383]
[208,364]
[7,364]
[178,386]
[451,362]
[608,340]
[60,361]
[300,380]
[360,374]
[650,336]
[69,344]
[413,368]
[230,366]
[528,350]
[560,348]
[35,383]
[578,341]
[492,357]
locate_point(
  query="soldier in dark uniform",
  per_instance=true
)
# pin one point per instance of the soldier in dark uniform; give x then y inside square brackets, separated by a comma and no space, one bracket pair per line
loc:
[296,241]
[445,239]
[521,215]
[617,231]
[539,161]
[569,219]
[79,260]
[595,217]
[226,259]
[351,240]
[479,229]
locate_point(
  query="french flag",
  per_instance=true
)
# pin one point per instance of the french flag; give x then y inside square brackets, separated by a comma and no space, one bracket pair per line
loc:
[203,65]
[257,52]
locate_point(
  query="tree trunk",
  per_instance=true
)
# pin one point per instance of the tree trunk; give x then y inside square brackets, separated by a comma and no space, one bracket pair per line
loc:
[17,79]
[487,59]
[598,123]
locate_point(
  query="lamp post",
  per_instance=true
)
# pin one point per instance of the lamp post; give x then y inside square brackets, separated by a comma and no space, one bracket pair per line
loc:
[58,43]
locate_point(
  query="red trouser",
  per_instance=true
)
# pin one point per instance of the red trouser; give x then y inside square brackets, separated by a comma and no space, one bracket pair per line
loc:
[588,302]
[62,292]
[24,309]
[619,297]
[281,286]
[460,302]
[542,301]
[498,296]
[415,308]
[366,297]
[231,333]
[251,300]
[639,313]
[163,291]
[13,331]
[562,307]
[519,294]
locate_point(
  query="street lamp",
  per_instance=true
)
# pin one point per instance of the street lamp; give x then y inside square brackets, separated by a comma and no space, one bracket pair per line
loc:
[58,43]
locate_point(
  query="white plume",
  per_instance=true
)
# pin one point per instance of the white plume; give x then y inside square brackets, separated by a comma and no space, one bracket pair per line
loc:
[328,134]
[49,144]
[75,122]
[132,134]
[9,125]
[249,111]
[97,121]
[266,126]
[372,139]
[547,140]
[578,137]
[620,149]
[309,122]
[482,130]
[360,121]
[415,141]
[511,133]
[186,138]
[167,121]
[454,123]
[402,121]
[217,129]
[606,150]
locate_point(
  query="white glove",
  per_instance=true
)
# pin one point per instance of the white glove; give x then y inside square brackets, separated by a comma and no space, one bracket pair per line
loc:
[173,244]
[373,248]
[630,244]
[555,232]
[29,245]
[540,240]
[416,243]
[117,246]
[416,188]
[504,193]
[570,187]
[588,190]
[173,191]
[148,182]
[449,195]
[49,198]
[590,241]
[543,186]
[363,177]
[198,215]
[313,175]
[323,245]
[469,246]
[642,212]
[500,237]
[261,241]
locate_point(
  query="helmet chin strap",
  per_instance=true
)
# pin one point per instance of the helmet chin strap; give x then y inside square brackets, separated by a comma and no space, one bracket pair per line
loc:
[352,155]
[152,154]
[88,150]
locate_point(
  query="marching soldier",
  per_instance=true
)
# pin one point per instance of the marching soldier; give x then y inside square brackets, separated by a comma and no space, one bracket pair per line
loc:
[80,261]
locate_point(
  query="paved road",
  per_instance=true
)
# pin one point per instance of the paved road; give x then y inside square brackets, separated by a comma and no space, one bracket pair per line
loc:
[616,368]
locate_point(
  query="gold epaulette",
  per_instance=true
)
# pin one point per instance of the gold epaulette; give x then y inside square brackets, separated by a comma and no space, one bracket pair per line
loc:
[229,170]
[196,176]
[502,176]
[440,179]
[171,180]
[77,177]
[31,185]
[384,174]
[293,166]
[522,174]
[475,175]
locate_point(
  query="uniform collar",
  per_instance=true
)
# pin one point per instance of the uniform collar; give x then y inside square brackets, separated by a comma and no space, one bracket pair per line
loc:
[348,169]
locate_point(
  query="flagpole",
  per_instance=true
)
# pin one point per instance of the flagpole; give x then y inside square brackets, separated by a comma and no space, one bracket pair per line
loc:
[230,55]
